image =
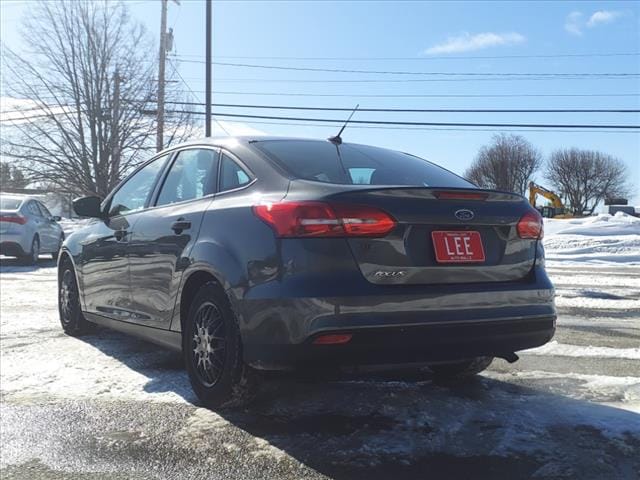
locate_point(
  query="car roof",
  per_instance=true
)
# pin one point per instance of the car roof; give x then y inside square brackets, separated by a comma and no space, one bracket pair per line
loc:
[246,140]
[17,196]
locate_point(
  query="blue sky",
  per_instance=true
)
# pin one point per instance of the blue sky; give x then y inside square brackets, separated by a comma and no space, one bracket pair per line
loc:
[417,35]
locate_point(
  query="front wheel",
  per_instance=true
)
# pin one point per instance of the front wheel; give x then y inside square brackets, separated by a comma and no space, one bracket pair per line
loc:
[212,350]
[71,318]
[460,370]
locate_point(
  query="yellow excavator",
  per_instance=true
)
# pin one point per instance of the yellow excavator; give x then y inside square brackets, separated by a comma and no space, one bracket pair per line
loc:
[557,208]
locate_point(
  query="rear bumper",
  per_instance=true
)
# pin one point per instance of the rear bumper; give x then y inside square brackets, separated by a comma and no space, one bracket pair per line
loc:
[394,324]
[11,248]
[416,344]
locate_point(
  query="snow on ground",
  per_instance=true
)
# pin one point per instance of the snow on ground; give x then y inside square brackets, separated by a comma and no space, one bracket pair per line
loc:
[71,367]
[602,238]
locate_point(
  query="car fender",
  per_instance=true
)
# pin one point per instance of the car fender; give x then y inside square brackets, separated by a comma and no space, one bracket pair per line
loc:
[216,260]
[72,248]
[65,252]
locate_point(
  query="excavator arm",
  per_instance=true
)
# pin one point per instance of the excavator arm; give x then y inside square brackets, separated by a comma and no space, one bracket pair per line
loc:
[535,189]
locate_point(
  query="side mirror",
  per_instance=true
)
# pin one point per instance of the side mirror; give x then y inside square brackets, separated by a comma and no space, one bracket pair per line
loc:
[88,207]
[56,218]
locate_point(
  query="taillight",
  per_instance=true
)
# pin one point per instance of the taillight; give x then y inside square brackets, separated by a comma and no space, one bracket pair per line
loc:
[530,225]
[318,219]
[460,195]
[13,219]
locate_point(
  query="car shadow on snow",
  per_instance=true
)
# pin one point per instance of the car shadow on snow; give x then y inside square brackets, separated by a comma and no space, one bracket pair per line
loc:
[400,423]
[394,424]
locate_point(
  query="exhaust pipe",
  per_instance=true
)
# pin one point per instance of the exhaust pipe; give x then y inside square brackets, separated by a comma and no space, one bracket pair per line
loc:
[510,357]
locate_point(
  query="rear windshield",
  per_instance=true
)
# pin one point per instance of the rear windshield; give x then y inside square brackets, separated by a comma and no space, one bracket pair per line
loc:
[356,164]
[10,203]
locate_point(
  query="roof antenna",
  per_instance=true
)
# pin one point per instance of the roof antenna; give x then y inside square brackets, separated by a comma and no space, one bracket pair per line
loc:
[337,140]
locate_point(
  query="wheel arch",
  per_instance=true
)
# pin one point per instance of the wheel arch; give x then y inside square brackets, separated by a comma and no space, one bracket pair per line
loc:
[64,256]
[209,261]
[192,282]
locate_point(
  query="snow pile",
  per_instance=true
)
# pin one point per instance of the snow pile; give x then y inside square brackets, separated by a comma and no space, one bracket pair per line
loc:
[599,239]
[565,350]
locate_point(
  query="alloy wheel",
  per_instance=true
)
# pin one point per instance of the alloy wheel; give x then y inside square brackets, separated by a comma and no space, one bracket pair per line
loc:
[208,345]
[68,296]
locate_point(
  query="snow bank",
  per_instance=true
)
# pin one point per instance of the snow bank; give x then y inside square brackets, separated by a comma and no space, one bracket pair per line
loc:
[603,238]
[564,350]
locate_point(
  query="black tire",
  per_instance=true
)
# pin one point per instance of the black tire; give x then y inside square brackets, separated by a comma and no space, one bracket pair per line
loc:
[34,253]
[71,317]
[460,370]
[56,254]
[212,350]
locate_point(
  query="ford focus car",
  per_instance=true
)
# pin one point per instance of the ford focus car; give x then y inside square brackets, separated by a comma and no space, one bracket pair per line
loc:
[252,254]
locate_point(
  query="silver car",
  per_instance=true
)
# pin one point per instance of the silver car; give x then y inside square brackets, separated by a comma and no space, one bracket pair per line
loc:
[28,229]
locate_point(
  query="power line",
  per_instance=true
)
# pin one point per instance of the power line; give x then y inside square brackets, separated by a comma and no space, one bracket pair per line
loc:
[348,109]
[507,95]
[30,117]
[379,127]
[429,58]
[413,80]
[384,126]
[396,72]
[433,124]
[435,95]
[403,125]
[194,95]
[412,110]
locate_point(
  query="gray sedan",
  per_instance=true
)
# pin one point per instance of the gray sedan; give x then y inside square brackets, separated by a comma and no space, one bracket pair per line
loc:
[28,229]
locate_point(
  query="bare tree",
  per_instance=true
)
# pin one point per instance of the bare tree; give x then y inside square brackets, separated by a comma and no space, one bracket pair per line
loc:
[11,176]
[585,177]
[87,79]
[507,164]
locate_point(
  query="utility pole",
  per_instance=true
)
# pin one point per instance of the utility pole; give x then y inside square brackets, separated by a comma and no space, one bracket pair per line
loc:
[161,73]
[208,100]
[161,81]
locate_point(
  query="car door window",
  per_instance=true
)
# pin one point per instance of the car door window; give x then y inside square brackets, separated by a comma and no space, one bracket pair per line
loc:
[133,194]
[232,175]
[192,175]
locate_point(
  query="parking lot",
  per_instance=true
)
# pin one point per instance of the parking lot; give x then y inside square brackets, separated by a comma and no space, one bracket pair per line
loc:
[109,406]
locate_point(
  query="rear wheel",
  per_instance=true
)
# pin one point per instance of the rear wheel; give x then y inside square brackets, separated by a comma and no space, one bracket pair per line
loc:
[71,318]
[460,370]
[32,257]
[56,253]
[212,349]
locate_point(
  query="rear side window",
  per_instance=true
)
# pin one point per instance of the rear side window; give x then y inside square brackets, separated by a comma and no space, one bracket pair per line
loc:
[45,211]
[232,175]
[357,164]
[8,203]
[32,207]
[192,175]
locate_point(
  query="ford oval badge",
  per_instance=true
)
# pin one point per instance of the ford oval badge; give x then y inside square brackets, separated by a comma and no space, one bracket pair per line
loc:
[464,214]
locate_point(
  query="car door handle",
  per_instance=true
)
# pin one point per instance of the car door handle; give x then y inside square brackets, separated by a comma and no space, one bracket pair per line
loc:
[180,225]
[120,234]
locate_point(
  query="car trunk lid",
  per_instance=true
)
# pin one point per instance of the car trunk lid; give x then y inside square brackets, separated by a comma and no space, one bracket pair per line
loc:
[407,255]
